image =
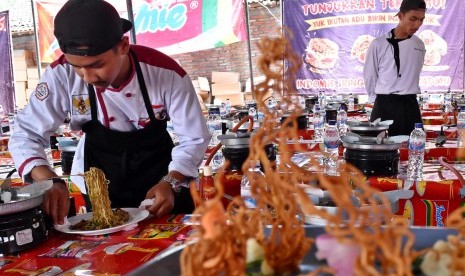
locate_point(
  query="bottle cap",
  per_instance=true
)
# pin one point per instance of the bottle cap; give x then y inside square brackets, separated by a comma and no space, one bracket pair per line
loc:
[418,125]
[207,171]
[332,122]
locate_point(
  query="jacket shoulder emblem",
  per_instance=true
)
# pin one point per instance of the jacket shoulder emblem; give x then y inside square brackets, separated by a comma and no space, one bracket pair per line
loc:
[42,92]
[81,104]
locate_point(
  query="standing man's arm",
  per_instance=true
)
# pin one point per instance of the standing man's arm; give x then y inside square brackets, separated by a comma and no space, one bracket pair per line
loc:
[370,72]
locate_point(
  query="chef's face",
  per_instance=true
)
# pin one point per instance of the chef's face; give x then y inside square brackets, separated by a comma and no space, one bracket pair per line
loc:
[411,21]
[110,67]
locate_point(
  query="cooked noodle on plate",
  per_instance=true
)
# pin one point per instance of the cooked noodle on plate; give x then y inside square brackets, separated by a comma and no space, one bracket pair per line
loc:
[103,216]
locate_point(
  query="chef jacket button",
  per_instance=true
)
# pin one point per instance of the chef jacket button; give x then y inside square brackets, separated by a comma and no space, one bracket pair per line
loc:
[111,119]
[129,95]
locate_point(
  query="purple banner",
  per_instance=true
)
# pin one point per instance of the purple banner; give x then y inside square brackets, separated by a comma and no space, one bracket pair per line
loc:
[6,71]
[332,38]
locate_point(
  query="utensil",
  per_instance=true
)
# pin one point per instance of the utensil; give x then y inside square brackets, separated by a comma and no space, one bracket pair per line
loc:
[386,123]
[398,139]
[353,122]
[350,139]
[380,137]
[441,138]
[376,122]
[395,195]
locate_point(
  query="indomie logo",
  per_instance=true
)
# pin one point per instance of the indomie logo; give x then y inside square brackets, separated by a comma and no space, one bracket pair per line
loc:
[439,218]
[160,18]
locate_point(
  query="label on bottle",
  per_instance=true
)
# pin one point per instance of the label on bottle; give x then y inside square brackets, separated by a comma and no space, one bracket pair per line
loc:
[416,145]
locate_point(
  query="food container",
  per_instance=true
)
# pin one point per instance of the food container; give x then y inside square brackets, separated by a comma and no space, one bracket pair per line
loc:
[169,262]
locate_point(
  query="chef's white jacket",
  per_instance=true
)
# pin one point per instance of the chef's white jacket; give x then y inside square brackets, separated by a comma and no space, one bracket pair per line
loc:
[380,71]
[61,92]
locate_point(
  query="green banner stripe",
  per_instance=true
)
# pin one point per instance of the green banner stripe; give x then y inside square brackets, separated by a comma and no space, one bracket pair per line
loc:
[209,14]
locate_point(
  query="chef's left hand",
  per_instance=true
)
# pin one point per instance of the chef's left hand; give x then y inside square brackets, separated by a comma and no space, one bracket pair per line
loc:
[163,196]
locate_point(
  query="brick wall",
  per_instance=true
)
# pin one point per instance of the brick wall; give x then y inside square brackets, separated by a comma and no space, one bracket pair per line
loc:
[234,57]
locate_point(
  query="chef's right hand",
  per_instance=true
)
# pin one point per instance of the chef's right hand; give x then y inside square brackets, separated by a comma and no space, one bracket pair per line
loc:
[56,202]
[56,199]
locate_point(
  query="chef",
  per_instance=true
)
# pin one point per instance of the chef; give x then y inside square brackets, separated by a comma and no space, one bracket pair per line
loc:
[121,96]
[392,70]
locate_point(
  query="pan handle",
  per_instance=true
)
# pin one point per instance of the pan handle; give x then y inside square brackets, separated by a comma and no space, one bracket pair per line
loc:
[10,173]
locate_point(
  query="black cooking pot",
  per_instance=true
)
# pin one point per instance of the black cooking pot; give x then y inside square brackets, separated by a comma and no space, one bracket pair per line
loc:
[302,120]
[331,113]
[373,162]
[310,101]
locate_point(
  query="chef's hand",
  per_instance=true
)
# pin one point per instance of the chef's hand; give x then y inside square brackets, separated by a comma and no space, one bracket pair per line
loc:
[56,202]
[163,196]
[56,199]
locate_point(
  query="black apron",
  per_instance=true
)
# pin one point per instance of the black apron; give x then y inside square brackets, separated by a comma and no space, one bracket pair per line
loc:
[135,161]
[403,109]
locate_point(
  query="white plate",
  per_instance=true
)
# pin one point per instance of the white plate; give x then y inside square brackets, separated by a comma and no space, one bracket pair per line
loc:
[135,215]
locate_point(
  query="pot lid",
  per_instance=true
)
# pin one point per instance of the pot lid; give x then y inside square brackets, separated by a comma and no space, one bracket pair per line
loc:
[235,140]
[371,145]
[366,127]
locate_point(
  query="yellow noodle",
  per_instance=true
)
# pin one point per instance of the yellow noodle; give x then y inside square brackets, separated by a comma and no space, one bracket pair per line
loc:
[103,215]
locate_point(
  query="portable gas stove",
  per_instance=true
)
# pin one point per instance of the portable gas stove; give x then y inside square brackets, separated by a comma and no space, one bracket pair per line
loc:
[22,224]
[22,231]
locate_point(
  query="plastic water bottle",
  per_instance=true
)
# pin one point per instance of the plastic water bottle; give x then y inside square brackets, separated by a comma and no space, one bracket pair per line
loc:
[342,121]
[223,110]
[416,152]
[228,106]
[331,143]
[302,102]
[425,100]
[214,125]
[246,193]
[48,153]
[11,122]
[331,148]
[351,102]
[170,129]
[321,99]
[461,128]
[253,112]
[448,102]
[318,125]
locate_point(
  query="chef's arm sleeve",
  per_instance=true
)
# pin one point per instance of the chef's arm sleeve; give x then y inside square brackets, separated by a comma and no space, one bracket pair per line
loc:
[41,117]
[189,126]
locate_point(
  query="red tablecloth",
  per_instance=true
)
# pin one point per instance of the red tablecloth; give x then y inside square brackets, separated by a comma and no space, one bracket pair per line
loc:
[114,254]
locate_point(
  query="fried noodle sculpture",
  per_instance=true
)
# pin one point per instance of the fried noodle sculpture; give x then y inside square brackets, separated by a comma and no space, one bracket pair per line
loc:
[385,241]
[103,215]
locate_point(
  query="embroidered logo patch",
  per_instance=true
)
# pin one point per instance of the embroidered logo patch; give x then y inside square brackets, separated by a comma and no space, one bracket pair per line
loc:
[81,104]
[42,91]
